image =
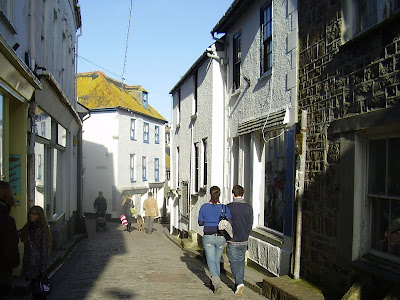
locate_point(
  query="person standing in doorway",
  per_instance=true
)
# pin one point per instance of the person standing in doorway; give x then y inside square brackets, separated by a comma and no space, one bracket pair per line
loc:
[242,223]
[151,210]
[9,255]
[213,240]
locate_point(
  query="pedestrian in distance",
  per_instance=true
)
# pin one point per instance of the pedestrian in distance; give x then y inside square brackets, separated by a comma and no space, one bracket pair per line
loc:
[127,204]
[242,223]
[100,207]
[150,208]
[9,255]
[213,240]
[36,237]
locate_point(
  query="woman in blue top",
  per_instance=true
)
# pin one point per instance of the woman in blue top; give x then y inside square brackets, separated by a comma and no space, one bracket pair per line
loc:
[213,240]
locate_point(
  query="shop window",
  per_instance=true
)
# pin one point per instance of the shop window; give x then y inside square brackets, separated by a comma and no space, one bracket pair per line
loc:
[274,195]
[42,124]
[61,135]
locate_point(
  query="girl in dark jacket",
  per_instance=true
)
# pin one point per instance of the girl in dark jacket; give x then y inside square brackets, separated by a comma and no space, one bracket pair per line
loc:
[37,240]
[9,255]
[127,204]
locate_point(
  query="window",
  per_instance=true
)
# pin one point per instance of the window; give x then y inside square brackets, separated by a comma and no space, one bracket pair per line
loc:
[39,167]
[237,58]
[133,126]
[145,101]
[383,193]
[1,136]
[146,133]
[195,94]
[156,134]
[266,36]
[156,169]
[132,164]
[361,15]
[204,159]
[196,167]
[61,135]
[177,167]
[144,168]
[178,113]
[274,195]
[42,123]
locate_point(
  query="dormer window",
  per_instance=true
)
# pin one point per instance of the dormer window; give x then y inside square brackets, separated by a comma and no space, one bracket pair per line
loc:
[145,100]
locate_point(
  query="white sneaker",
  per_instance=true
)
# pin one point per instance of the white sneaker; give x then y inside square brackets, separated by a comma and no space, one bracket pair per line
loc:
[239,289]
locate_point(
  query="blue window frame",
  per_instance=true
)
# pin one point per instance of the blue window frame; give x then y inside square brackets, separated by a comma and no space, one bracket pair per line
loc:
[157,169]
[133,127]
[146,133]
[157,135]
[144,168]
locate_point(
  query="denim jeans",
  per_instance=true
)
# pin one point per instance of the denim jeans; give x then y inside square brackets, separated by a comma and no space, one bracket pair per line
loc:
[236,255]
[214,246]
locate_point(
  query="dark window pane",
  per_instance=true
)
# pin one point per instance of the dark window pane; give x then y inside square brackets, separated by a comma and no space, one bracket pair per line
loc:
[393,166]
[380,224]
[395,228]
[377,166]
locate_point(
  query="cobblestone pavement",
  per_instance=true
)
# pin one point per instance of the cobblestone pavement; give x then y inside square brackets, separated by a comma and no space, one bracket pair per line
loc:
[119,265]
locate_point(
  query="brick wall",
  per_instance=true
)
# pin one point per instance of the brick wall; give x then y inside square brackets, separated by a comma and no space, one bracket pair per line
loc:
[336,81]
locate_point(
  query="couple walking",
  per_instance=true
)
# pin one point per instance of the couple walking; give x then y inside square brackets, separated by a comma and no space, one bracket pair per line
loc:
[240,216]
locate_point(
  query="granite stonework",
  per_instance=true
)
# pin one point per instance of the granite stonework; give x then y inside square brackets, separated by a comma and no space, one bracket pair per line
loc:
[347,87]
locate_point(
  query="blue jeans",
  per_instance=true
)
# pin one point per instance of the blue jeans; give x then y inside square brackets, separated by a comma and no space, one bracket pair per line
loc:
[236,255]
[214,246]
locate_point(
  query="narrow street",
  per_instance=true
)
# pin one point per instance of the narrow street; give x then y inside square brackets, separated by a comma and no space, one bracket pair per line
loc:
[120,265]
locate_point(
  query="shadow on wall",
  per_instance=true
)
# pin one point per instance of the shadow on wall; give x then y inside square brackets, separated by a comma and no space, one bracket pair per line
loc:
[98,175]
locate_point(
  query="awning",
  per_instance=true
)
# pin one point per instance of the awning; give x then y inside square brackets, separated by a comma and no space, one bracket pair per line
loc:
[269,122]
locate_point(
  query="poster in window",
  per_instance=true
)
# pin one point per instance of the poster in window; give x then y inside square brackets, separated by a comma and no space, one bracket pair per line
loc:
[15,176]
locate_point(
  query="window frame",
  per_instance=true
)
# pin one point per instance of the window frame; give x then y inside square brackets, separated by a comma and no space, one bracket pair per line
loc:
[156,134]
[237,60]
[144,168]
[196,167]
[266,53]
[145,100]
[204,163]
[146,129]
[195,92]
[132,171]
[156,169]
[133,130]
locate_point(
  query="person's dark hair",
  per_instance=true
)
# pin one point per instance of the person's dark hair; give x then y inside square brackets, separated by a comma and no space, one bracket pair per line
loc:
[215,192]
[238,191]
[150,194]
[6,194]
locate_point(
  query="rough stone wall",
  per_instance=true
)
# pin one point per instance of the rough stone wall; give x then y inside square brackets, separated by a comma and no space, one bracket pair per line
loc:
[336,81]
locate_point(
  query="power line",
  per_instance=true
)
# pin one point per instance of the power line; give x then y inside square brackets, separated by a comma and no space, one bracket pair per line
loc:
[98,66]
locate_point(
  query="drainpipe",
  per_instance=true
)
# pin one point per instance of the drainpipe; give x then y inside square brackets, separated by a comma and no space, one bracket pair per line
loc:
[32,34]
[303,131]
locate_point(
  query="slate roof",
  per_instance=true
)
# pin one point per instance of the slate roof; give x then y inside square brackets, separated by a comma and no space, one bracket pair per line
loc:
[98,91]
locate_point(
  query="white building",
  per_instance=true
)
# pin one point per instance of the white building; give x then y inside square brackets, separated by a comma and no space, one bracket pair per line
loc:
[38,50]
[253,95]
[123,144]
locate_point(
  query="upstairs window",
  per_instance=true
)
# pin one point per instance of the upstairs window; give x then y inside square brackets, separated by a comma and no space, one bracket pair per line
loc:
[195,95]
[145,101]
[156,134]
[133,127]
[156,169]
[361,15]
[144,168]
[237,59]
[146,133]
[266,34]
[132,167]
[204,173]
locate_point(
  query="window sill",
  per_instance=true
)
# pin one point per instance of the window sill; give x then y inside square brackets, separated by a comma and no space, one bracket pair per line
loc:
[265,234]
[378,267]
[237,92]
[266,75]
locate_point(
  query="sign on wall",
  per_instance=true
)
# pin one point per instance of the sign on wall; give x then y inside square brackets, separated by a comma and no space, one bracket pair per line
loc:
[15,176]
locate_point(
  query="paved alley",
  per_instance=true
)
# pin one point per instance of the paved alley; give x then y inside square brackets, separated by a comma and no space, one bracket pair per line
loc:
[121,265]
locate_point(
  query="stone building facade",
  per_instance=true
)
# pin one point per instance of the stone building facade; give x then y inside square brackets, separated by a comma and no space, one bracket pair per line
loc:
[349,83]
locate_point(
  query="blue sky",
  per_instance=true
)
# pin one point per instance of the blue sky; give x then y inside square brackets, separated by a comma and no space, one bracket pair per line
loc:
[166,38]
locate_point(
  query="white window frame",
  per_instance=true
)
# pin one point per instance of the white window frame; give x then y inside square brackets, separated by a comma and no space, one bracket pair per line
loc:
[144,168]
[204,163]
[156,169]
[133,129]
[157,134]
[146,127]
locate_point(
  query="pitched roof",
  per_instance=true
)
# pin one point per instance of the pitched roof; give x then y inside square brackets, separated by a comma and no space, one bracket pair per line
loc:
[98,91]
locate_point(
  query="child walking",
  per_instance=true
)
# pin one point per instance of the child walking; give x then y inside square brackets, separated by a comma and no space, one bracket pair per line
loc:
[36,237]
